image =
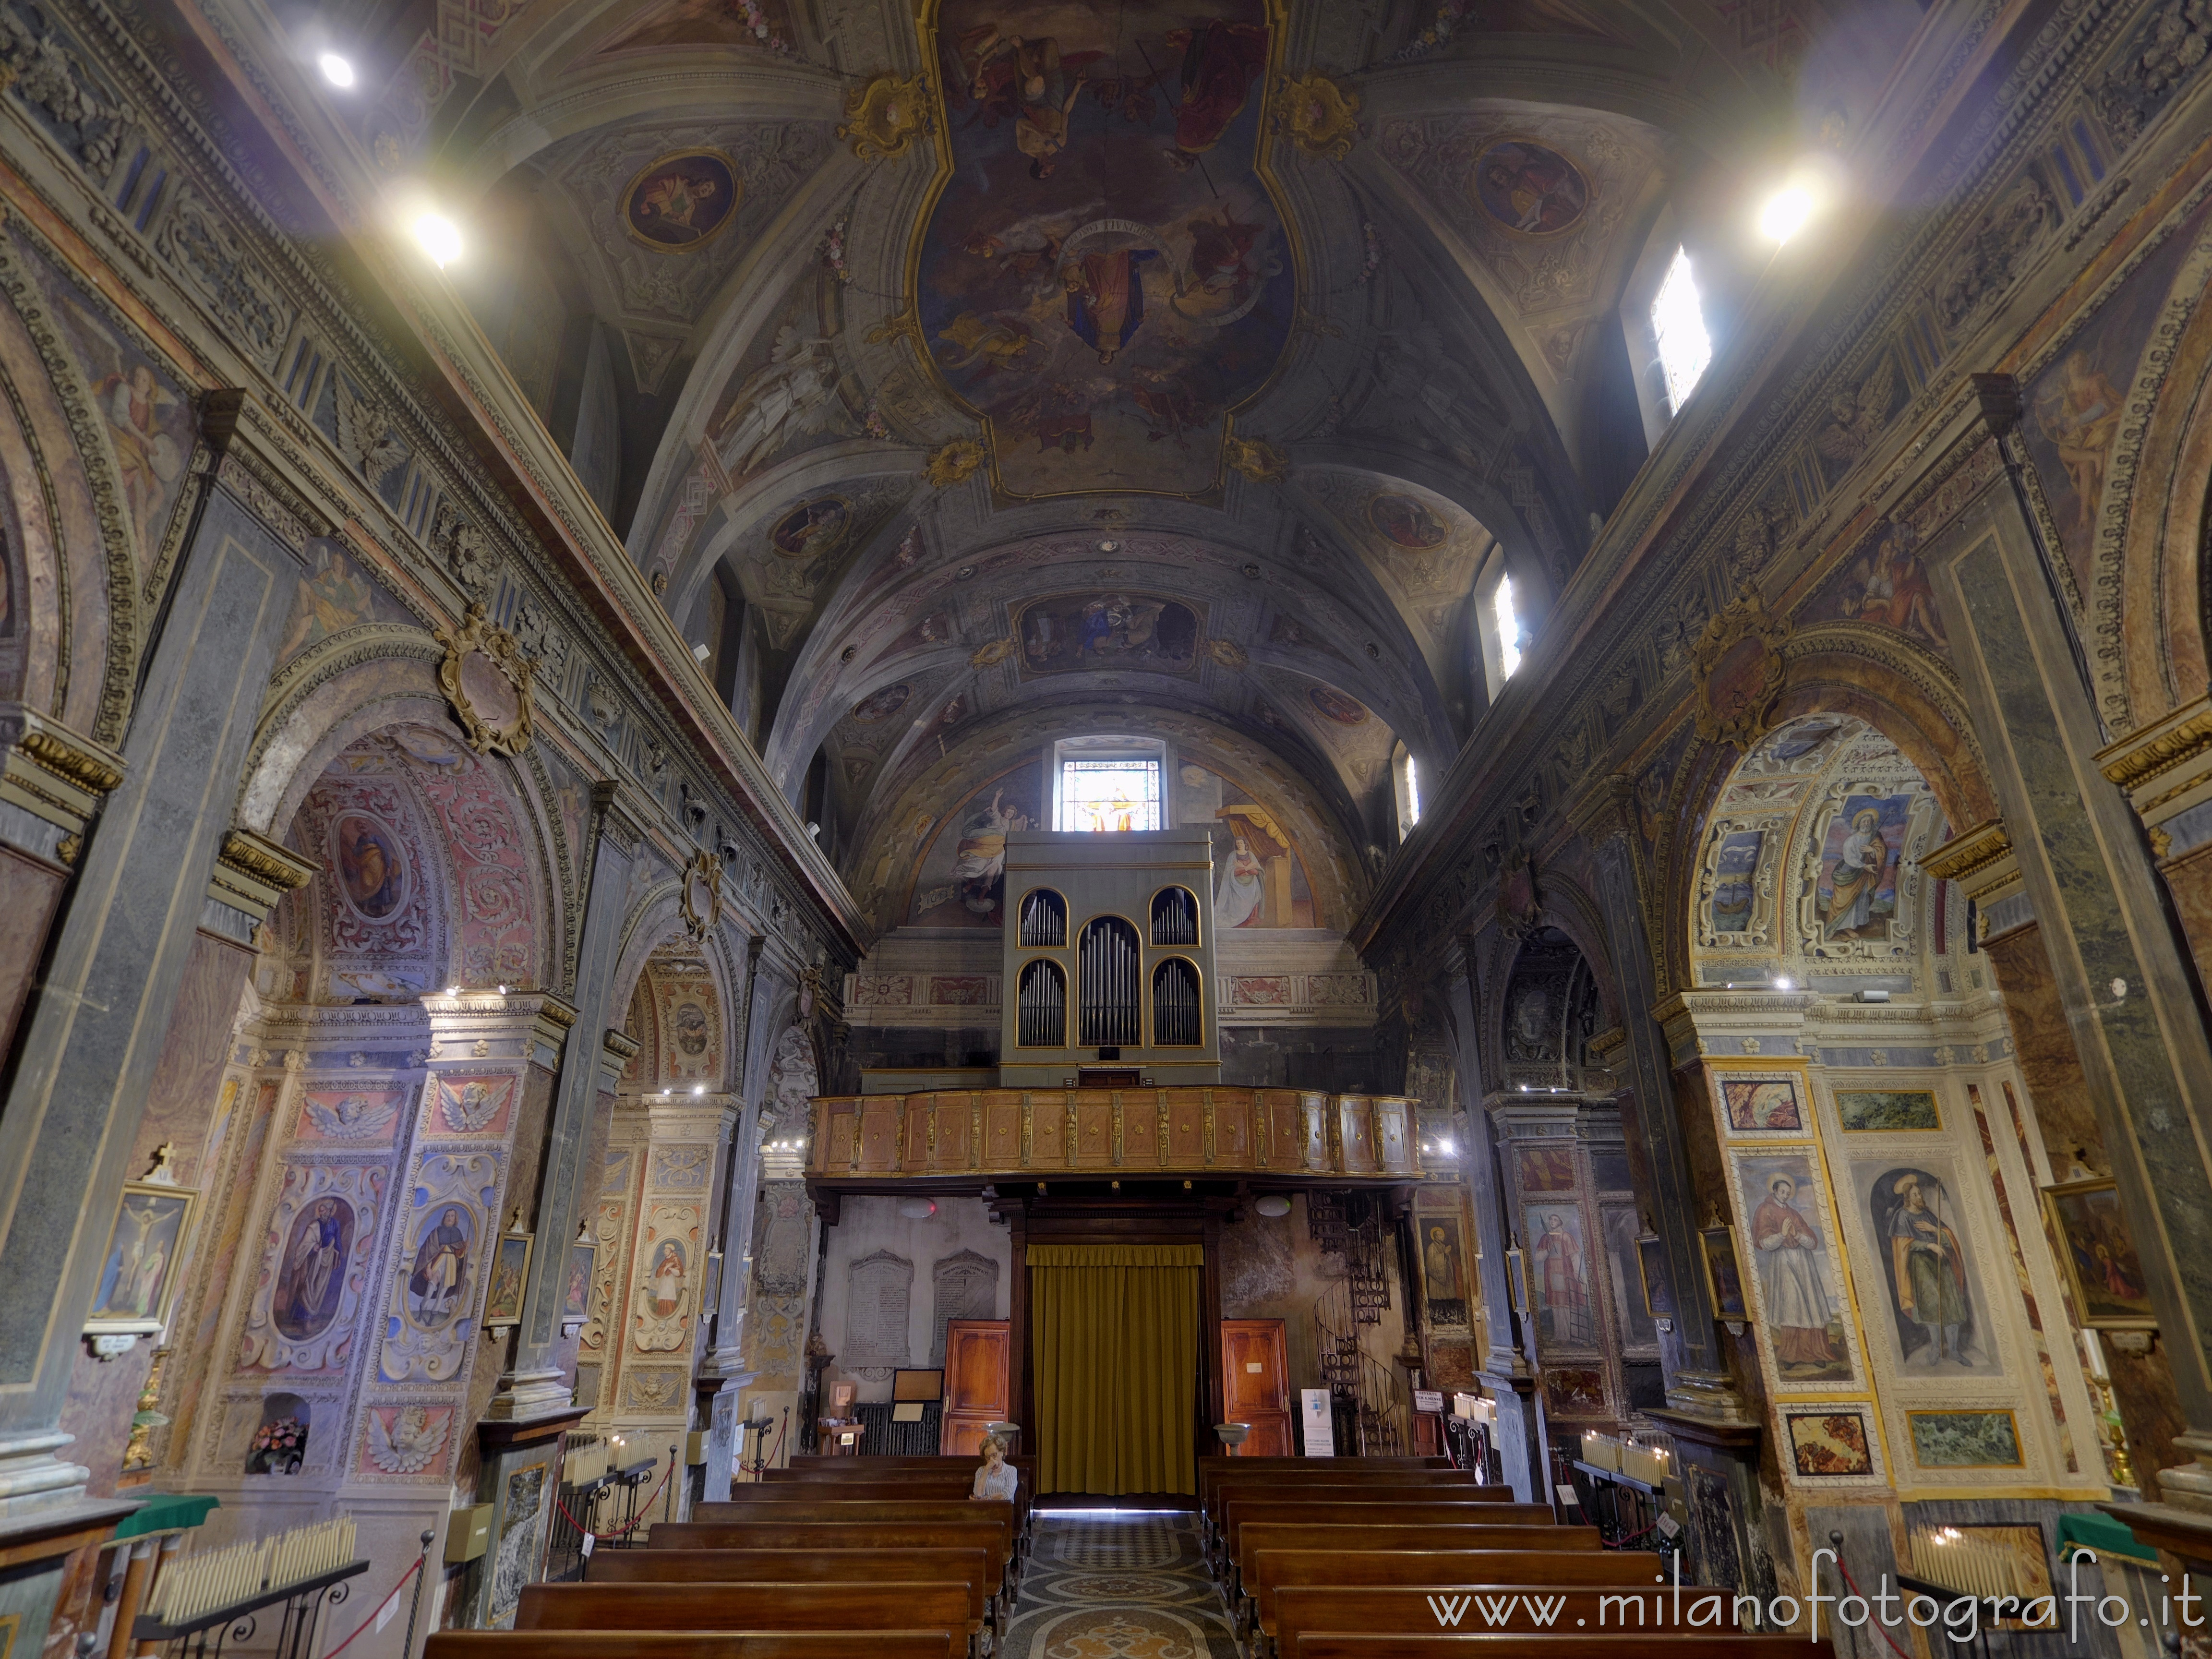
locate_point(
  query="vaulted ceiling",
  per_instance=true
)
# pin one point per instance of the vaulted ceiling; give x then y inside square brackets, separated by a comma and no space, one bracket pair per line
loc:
[963,374]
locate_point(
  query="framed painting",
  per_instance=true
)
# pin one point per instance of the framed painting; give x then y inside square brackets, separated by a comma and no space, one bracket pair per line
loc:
[138,1280]
[1652,1270]
[510,1274]
[1833,1442]
[1723,1276]
[1864,1111]
[1756,1103]
[2100,1255]
[577,1288]
[1795,1276]
[1965,1440]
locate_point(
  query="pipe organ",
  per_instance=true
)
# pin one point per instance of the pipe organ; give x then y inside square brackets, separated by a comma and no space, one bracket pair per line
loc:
[1110,959]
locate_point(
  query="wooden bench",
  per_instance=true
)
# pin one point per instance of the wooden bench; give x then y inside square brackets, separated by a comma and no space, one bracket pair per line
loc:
[885,1605]
[1422,1486]
[970,1567]
[1265,1554]
[1331,1644]
[695,1645]
[1414,1605]
[945,1479]
[1243,1511]
[786,1537]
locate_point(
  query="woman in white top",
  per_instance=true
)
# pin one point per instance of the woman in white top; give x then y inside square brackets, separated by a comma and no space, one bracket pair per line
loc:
[997,1477]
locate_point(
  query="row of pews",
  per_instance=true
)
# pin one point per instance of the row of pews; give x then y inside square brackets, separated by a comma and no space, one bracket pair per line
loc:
[1360,1558]
[883,1556]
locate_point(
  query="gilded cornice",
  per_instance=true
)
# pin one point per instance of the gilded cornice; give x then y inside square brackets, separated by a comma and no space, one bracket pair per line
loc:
[266,860]
[1964,855]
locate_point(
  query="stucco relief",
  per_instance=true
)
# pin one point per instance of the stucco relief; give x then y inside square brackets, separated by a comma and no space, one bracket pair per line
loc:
[318,1255]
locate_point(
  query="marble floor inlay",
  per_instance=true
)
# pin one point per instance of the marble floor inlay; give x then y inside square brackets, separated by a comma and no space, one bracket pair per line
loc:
[1118,1587]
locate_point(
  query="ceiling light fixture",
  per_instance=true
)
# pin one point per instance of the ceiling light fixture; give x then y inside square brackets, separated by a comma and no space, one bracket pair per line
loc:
[1786,213]
[335,69]
[439,238]
[1785,983]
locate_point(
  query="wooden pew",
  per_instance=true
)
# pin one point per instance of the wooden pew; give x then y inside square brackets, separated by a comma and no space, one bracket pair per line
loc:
[983,1533]
[695,1645]
[1408,1602]
[1579,1644]
[1579,1547]
[1441,1483]
[1241,1511]
[1350,1564]
[885,1605]
[971,1567]
[940,1477]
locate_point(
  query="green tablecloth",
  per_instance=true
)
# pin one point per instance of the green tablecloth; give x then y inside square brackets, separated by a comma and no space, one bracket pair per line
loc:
[167,1512]
[2102,1534]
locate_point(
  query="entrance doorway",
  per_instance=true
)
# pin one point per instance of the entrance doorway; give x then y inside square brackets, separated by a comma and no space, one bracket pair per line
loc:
[1114,1351]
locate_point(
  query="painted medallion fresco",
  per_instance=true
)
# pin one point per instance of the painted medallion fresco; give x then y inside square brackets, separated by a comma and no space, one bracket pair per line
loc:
[1105,276]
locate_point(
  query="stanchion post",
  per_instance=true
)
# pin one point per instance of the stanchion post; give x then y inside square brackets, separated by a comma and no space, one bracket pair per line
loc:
[668,1504]
[415,1606]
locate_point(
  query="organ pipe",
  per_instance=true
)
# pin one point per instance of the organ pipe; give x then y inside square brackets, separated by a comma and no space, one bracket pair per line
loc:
[1111,994]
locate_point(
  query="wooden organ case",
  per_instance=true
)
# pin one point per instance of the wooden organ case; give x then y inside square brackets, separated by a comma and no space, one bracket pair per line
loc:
[1108,960]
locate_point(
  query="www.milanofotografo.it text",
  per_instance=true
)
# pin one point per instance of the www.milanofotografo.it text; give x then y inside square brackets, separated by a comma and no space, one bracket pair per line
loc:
[1678,1607]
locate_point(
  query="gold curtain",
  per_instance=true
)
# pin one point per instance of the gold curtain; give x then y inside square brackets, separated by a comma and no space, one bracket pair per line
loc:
[1114,1335]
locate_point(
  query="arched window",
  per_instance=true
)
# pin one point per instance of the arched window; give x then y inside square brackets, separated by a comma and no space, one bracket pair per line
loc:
[1406,785]
[1498,624]
[1678,327]
[1112,971]
[1041,1006]
[1177,1020]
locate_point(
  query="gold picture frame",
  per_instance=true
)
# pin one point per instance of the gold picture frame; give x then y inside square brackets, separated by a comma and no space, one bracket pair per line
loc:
[1724,1282]
[510,1280]
[2098,1256]
[138,1279]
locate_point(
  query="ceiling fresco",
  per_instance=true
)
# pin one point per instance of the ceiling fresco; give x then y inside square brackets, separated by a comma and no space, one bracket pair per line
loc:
[1106,277]
[991,371]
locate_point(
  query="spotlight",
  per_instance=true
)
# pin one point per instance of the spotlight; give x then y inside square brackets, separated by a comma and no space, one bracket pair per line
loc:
[1785,983]
[335,69]
[1785,214]
[698,1088]
[453,990]
[440,237]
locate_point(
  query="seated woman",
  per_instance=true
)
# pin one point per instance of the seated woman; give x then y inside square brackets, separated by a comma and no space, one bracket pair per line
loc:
[997,1477]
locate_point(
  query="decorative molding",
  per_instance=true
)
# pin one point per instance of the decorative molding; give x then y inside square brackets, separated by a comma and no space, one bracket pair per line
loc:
[1740,668]
[1968,852]
[702,895]
[478,639]
[2147,755]
[1317,115]
[1257,459]
[885,117]
[954,463]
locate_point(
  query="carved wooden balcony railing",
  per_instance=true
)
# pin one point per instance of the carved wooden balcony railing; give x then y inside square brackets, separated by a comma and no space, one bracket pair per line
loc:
[1286,1133]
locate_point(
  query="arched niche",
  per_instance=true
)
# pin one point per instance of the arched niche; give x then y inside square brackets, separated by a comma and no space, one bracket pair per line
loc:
[1873,1185]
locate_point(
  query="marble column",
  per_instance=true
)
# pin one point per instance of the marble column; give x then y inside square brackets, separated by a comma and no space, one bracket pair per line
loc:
[535,1383]
[677,1141]
[1697,1380]
[2121,965]
[1506,1373]
[91,1036]
[1981,862]
[52,781]
[726,1365]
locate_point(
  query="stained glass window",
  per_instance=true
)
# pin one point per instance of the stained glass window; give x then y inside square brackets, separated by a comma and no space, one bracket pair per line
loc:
[1109,794]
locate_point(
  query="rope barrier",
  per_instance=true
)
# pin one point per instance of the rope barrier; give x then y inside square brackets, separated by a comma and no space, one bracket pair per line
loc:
[404,1579]
[643,1515]
[1852,1585]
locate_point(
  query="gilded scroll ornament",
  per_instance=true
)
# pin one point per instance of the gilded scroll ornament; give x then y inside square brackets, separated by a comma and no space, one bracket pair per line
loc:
[486,678]
[1738,663]
[1319,116]
[884,117]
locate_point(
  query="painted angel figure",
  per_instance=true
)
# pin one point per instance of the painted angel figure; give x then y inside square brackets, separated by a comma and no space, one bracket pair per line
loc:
[410,1444]
[788,396]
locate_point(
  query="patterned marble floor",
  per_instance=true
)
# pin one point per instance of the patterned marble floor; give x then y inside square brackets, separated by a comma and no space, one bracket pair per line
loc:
[1118,1587]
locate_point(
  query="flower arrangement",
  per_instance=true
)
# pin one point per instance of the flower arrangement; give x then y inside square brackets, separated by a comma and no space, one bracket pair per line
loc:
[872,421]
[1449,16]
[277,1446]
[1373,261]
[756,18]
[833,253]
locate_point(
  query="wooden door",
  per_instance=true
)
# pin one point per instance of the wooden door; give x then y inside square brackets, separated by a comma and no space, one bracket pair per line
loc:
[976,1391]
[1256,1385]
